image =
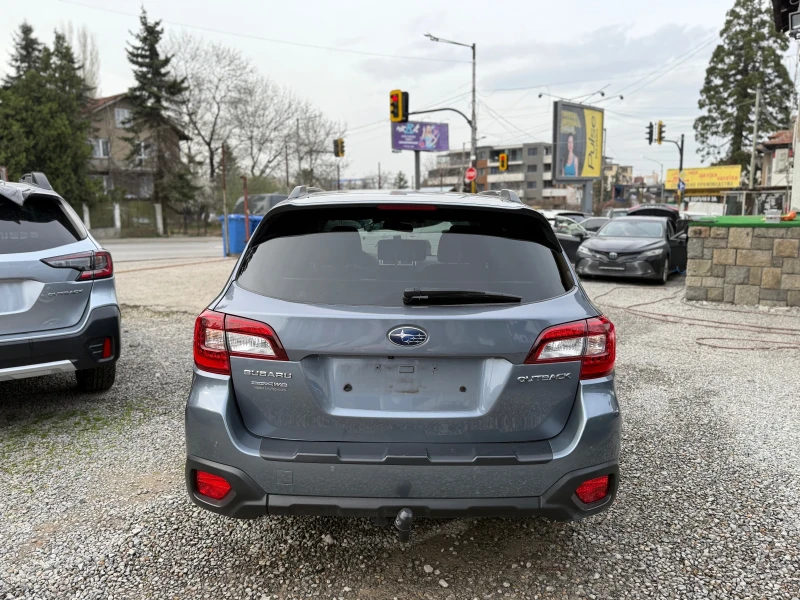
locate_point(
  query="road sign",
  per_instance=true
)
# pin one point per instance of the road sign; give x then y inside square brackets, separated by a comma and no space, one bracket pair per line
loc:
[470,174]
[681,185]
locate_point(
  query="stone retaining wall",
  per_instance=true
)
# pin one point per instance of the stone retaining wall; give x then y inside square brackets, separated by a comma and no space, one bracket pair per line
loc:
[744,265]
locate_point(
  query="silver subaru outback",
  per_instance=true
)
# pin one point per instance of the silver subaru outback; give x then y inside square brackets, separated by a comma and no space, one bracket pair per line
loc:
[396,355]
[58,304]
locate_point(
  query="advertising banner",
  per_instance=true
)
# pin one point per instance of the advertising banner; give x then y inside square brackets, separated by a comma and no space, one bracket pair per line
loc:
[708,178]
[577,142]
[425,137]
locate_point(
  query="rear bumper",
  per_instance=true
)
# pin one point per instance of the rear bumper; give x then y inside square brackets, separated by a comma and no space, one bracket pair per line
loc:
[44,355]
[270,483]
[642,269]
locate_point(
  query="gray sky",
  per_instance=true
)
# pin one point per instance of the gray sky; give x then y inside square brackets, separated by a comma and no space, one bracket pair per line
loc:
[654,52]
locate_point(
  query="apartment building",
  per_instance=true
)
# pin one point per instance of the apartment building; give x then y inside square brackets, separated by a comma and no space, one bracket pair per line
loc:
[112,160]
[529,173]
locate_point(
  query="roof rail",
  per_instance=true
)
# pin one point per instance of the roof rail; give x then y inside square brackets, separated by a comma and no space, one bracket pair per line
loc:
[302,191]
[37,179]
[505,195]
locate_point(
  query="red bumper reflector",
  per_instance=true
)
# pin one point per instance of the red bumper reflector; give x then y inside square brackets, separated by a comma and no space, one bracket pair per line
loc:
[211,486]
[593,490]
[107,348]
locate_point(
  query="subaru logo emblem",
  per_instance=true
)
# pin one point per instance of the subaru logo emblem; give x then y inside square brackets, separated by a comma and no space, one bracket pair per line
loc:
[407,335]
[613,255]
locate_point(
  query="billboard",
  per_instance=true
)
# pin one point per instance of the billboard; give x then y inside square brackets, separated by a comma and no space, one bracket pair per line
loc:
[424,137]
[708,178]
[577,142]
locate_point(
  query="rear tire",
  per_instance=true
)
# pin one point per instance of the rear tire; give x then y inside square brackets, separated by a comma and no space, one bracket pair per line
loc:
[98,379]
[664,273]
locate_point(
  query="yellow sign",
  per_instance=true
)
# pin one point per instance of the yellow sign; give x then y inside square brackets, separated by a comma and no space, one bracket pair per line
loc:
[578,138]
[708,178]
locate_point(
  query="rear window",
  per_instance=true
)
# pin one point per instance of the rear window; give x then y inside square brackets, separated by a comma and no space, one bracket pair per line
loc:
[41,223]
[369,257]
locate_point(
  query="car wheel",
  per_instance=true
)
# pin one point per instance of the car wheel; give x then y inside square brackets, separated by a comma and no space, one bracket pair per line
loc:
[665,272]
[98,379]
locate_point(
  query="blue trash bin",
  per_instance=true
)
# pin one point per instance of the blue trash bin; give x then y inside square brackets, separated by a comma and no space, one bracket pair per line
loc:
[236,229]
[236,232]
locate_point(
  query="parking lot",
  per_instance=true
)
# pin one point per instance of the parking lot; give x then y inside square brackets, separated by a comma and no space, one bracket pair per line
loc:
[94,504]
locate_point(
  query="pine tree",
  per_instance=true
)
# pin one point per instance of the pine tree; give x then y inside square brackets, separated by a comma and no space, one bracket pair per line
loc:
[26,55]
[400,181]
[44,125]
[749,57]
[153,124]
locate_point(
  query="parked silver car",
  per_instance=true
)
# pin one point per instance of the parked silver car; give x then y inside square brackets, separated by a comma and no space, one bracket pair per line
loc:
[58,304]
[435,356]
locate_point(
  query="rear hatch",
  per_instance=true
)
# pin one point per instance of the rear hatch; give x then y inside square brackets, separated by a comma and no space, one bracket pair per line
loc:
[371,360]
[35,296]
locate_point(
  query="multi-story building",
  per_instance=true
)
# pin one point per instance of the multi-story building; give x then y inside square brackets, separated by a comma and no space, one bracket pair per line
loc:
[776,155]
[529,173]
[112,158]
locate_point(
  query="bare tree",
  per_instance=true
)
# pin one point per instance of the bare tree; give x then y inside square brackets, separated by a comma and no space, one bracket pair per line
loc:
[262,120]
[313,144]
[84,45]
[217,78]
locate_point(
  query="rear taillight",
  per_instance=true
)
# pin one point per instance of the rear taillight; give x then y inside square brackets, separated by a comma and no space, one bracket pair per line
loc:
[211,486]
[90,265]
[592,341]
[217,337]
[252,339]
[593,490]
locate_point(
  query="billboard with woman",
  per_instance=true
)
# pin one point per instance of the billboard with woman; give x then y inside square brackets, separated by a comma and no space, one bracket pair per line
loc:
[577,142]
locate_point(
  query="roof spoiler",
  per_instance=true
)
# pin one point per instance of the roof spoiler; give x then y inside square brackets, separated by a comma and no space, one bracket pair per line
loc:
[37,179]
[302,191]
[505,195]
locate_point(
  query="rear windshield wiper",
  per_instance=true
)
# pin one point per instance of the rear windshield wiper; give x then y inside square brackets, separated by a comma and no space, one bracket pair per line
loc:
[443,297]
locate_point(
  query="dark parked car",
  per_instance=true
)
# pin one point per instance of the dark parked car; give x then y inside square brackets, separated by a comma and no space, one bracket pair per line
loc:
[570,234]
[593,224]
[400,354]
[258,204]
[641,247]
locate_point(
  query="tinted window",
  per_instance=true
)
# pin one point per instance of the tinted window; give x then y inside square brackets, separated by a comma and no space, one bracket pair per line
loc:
[39,224]
[369,257]
[594,224]
[632,228]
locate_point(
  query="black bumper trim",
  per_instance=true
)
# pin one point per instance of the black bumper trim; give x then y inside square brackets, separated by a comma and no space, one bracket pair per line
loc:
[247,500]
[78,348]
[505,453]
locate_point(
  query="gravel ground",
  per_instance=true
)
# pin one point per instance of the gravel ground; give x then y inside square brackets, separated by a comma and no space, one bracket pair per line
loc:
[94,504]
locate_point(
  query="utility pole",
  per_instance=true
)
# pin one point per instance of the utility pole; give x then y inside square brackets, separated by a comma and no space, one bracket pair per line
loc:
[474,122]
[680,171]
[755,141]
[246,212]
[227,248]
[416,170]
[299,164]
[474,153]
[379,176]
[286,151]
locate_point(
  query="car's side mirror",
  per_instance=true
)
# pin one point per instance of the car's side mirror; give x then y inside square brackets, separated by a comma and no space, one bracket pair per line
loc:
[680,237]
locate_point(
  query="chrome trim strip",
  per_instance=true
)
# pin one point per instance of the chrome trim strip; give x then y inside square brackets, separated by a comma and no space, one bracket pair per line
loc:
[60,366]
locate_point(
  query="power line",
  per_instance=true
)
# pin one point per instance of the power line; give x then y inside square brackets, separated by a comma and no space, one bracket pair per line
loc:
[240,34]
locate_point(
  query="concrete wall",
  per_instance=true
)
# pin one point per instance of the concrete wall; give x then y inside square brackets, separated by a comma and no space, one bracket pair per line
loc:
[744,265]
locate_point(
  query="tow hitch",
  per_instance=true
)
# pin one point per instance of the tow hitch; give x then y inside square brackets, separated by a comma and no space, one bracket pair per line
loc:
[403,523]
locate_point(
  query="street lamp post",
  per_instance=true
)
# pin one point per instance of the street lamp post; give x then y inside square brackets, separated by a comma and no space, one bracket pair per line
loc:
[474,151]
[662,172]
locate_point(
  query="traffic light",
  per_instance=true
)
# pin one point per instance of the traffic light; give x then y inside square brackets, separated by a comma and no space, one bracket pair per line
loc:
[649,136]
[661,131]
[503,160]
[398,106]
[338,148]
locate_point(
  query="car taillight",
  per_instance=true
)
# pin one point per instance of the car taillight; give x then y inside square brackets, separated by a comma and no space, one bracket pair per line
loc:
[210,353]
[593,490]
[592,341]
[90,265]
[211,486]
[217,337]
[252,339]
